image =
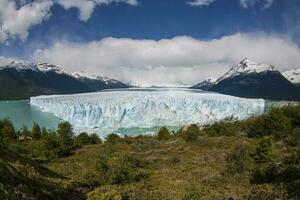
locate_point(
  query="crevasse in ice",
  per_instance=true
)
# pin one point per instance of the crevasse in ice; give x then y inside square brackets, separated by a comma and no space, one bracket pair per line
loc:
[107,111]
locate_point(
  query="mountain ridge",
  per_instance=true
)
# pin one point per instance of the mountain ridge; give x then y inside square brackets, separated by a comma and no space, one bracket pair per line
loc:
[253,80]
[22,79]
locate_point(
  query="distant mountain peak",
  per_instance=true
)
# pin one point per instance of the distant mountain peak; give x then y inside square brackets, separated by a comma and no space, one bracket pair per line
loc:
[246,66]
[83,74]
[46,67]
[21,65]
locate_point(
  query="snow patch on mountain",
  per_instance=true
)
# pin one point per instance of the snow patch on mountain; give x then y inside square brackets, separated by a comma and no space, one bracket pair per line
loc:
[85,75]
[292,75]
[246,66]
[22,65]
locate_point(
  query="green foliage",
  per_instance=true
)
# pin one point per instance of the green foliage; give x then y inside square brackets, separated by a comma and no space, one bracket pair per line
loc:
[163,134]
[65,132]
[121,169]
[44,131]
[112,138]
[293,113]
[94,139]
[85,139]
[240,160]
[82,139]
[36,131]
[222,128]
[191,134]
[264,151]
[7,131]
[265,166]
[274,123]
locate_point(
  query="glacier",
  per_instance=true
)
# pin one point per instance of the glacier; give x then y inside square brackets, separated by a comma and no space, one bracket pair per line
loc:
[107,111]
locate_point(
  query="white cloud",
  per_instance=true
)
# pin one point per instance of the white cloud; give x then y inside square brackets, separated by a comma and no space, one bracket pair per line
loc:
[243,3]
[16,22]
[17,19]
[86,7]
[200,3]
[170,61]
[250,3]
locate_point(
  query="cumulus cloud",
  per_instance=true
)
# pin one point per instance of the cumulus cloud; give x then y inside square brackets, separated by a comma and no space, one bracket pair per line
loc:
[16,22]
[176,61]
[200,3]
[243,3]
[17,17]
[86,7]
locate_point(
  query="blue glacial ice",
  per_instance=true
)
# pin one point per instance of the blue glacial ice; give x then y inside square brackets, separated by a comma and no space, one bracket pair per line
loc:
[105,112]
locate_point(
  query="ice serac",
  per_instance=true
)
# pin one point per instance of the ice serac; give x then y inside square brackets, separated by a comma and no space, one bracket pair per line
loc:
[107,111]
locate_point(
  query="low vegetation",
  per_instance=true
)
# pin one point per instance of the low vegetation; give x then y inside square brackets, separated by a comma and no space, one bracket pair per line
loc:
[253,159]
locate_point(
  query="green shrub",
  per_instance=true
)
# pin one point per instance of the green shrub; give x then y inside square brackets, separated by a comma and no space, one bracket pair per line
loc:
[163,134]
[273,123]
[112,138]
[120,169]
[36,131]
[240,160]
[94,138]
[191,134]
[222,128]
[293,113]
[82,139]
[264,151]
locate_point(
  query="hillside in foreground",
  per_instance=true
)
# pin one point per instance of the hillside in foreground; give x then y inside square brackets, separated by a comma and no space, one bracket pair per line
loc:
[258,158]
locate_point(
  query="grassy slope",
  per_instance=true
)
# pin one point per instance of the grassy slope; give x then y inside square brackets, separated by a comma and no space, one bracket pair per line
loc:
[173,165]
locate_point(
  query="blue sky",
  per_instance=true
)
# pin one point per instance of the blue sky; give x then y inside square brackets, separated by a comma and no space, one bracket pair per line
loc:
[62,25]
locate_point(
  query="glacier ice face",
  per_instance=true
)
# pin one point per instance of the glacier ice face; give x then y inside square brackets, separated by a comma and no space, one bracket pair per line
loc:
[106,111]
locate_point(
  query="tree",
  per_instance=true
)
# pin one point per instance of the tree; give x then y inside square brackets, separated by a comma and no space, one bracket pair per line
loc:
[36,131]
[95,138]
[82,139]
[7,130]
[44,131]
[112,138]
[192,133]
[163,134]
[65,132]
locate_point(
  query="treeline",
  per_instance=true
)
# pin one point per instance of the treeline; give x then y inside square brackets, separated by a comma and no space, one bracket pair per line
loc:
[42,143]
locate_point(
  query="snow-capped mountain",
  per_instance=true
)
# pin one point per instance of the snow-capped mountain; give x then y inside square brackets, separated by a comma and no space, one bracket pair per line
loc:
[293,76]
[246,66]
[21,65]
[254,80]
[97,82]
[85,75]
[22,79]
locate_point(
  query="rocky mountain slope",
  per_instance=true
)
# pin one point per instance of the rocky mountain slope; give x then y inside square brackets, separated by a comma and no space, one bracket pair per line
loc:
[21,80]
[254,80]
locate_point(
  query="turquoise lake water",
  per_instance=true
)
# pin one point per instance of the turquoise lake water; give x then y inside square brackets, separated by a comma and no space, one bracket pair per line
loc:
[21,112]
